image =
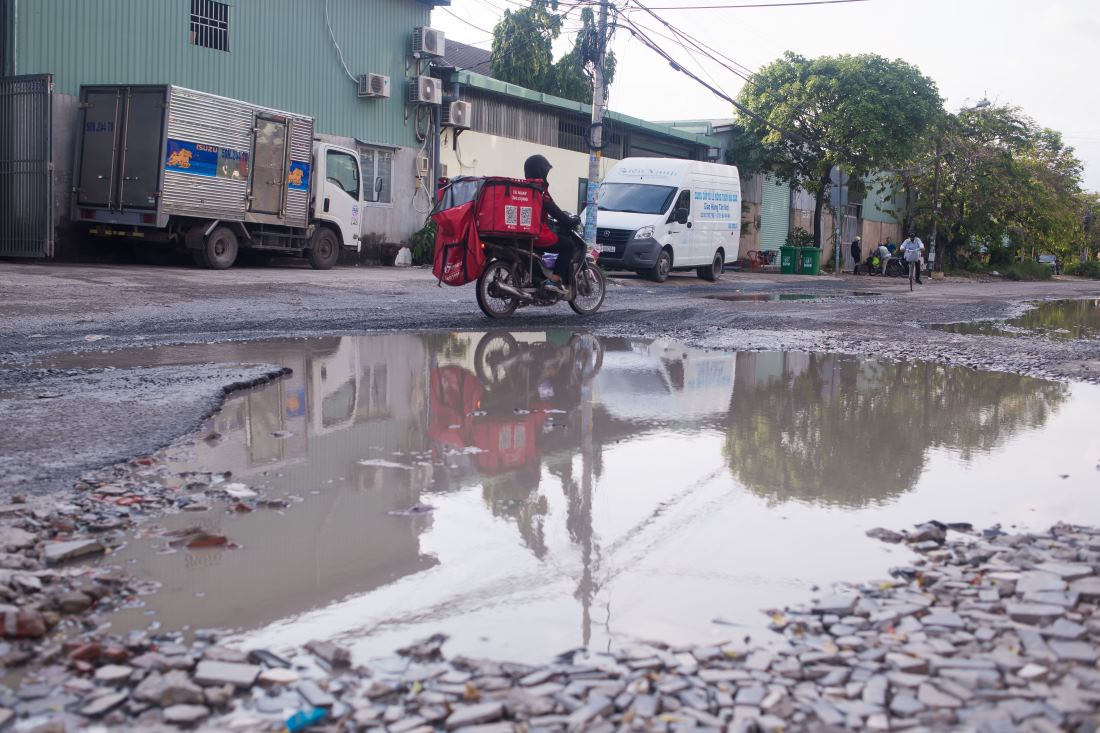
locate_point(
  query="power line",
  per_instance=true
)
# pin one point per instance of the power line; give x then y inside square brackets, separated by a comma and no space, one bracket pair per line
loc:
[755,5]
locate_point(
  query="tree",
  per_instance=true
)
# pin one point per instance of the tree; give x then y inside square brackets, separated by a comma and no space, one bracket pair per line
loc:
[1003,179]
[523,52]
[863,113]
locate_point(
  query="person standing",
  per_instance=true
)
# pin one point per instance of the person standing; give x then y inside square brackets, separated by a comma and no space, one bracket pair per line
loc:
[912,249]
[857,255]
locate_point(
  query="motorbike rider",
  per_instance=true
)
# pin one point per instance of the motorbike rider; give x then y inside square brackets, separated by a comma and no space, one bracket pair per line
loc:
[538,167]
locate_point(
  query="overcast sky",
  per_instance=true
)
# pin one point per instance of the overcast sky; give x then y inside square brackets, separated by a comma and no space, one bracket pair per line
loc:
[1043,56]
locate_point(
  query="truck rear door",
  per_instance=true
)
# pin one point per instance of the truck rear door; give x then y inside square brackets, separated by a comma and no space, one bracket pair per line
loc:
[143,126]
[99,151]
[120,157]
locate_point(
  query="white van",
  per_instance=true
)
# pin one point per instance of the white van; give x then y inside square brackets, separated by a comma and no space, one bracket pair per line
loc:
[657,215]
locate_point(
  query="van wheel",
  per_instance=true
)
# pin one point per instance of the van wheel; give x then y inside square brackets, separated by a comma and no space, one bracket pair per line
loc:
[713,271]
[220,249]
[324,250]
[660,271]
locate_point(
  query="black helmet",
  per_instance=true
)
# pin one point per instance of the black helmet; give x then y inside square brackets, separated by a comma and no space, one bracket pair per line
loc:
[537,166]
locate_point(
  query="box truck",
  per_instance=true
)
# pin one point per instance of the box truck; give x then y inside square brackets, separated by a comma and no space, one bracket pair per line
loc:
[164,164]
[656,215]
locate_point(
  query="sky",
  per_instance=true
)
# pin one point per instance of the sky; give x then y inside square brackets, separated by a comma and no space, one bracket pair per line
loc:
[1041,56]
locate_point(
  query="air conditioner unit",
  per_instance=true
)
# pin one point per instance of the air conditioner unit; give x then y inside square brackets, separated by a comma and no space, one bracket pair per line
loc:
[425,90]
[422,166]
[374,85]
[428,42]
[457,114]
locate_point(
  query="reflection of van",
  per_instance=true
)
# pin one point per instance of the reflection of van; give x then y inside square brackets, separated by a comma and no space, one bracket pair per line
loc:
[664,381]
[657,215]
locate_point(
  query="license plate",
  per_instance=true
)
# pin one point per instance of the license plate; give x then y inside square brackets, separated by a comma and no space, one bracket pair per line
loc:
[606,247]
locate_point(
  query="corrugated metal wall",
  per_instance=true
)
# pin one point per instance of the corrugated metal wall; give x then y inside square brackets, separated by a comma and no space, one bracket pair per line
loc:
[281,55]
[775,213]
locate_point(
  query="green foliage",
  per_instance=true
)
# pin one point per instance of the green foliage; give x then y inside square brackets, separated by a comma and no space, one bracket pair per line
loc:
[1026,270]
[523,52]
[799,237]
[1089,268]
[422,244]
[863,113]
[1002,178]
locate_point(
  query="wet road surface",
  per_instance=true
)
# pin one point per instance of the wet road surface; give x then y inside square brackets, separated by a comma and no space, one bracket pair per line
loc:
[584,489]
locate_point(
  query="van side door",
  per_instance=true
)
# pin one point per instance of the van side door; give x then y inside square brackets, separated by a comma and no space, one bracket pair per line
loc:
[679,235]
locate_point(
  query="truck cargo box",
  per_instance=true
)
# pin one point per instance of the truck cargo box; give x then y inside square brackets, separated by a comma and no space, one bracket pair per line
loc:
[148,153]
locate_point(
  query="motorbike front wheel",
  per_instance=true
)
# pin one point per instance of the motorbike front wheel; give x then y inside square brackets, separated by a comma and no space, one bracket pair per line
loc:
[492,302]
[591,287]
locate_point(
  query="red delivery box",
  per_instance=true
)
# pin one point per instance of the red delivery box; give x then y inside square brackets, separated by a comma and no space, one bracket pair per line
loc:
[509,207]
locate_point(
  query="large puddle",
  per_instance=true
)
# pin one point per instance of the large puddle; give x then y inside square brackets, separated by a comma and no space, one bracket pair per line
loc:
[1056,319]
[589,490]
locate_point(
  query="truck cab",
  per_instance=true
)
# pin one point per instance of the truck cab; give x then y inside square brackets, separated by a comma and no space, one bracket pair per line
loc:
[338,191]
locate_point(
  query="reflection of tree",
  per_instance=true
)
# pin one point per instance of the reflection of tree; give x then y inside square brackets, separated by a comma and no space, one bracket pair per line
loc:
[838,430]
[1072,319]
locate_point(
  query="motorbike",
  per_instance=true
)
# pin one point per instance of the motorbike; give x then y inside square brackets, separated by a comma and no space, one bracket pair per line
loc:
[514,274]
[895,267]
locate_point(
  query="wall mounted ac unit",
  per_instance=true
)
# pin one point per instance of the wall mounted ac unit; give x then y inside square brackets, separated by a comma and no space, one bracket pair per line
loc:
[457,114]
[428,42]
[425,90]
[374,85]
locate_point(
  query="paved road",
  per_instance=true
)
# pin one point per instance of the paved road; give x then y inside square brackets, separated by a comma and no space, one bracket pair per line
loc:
[48,311]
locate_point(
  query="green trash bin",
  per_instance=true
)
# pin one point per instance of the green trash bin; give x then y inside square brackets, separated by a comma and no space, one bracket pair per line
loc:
[789,257]
[810,261]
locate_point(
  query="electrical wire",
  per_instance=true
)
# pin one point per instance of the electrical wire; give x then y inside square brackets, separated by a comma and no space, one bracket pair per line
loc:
[755,5]
[339,53]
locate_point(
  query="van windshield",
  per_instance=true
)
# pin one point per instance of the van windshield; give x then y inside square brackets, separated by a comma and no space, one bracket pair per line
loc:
[636,198]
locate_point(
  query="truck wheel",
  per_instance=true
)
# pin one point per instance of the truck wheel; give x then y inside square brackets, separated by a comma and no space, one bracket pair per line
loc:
[323,250]
[220,249]
[660,271]
[713,271]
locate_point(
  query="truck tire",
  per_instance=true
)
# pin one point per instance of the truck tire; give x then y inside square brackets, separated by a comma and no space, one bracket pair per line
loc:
[324,249]
[219,251]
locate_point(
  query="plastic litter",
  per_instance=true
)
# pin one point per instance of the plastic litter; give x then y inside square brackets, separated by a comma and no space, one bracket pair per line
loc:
[304,719]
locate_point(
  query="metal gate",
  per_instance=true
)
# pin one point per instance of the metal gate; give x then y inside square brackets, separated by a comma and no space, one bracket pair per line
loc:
[849,230]
[26,166]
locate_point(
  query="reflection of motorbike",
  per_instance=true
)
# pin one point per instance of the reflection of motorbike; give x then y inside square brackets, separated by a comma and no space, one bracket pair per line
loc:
[513,275]
[495,420]
[502,362]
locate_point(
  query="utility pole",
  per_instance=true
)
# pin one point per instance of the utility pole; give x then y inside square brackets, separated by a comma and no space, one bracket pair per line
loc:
[935,210]
[838,212]
[595,132]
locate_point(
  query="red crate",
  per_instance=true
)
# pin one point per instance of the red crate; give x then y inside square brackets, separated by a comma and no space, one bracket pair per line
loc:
[509,207]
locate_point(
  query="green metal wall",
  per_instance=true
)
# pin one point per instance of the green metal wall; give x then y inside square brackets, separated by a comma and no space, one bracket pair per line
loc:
[880,205]
[775,213]
[280,54]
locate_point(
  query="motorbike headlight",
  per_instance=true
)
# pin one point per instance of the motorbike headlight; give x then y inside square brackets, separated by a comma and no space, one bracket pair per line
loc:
[644,232]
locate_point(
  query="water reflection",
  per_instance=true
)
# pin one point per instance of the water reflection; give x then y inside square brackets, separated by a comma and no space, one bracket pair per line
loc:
[584,488]
[1056,319]
[846,431]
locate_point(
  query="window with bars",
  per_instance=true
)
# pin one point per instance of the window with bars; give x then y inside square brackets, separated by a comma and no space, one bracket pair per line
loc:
[210,24]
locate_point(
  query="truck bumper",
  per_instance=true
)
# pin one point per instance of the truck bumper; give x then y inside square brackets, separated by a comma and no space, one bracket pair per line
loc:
[638,254]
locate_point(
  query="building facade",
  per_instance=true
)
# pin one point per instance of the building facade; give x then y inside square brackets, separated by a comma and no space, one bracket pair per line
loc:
[510,123]
[291,55]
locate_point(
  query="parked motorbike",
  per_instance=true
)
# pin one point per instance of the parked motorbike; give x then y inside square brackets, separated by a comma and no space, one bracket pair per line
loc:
[514,274]
[895,267]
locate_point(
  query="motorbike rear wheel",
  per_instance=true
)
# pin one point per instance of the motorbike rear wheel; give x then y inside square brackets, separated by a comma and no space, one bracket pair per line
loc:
[493,304]
[894,268]
[591,286]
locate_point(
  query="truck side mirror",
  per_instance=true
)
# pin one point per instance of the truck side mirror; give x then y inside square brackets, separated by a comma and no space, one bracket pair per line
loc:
[680,216]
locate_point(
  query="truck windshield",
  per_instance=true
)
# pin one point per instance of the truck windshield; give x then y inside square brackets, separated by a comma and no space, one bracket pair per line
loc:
[636,198]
